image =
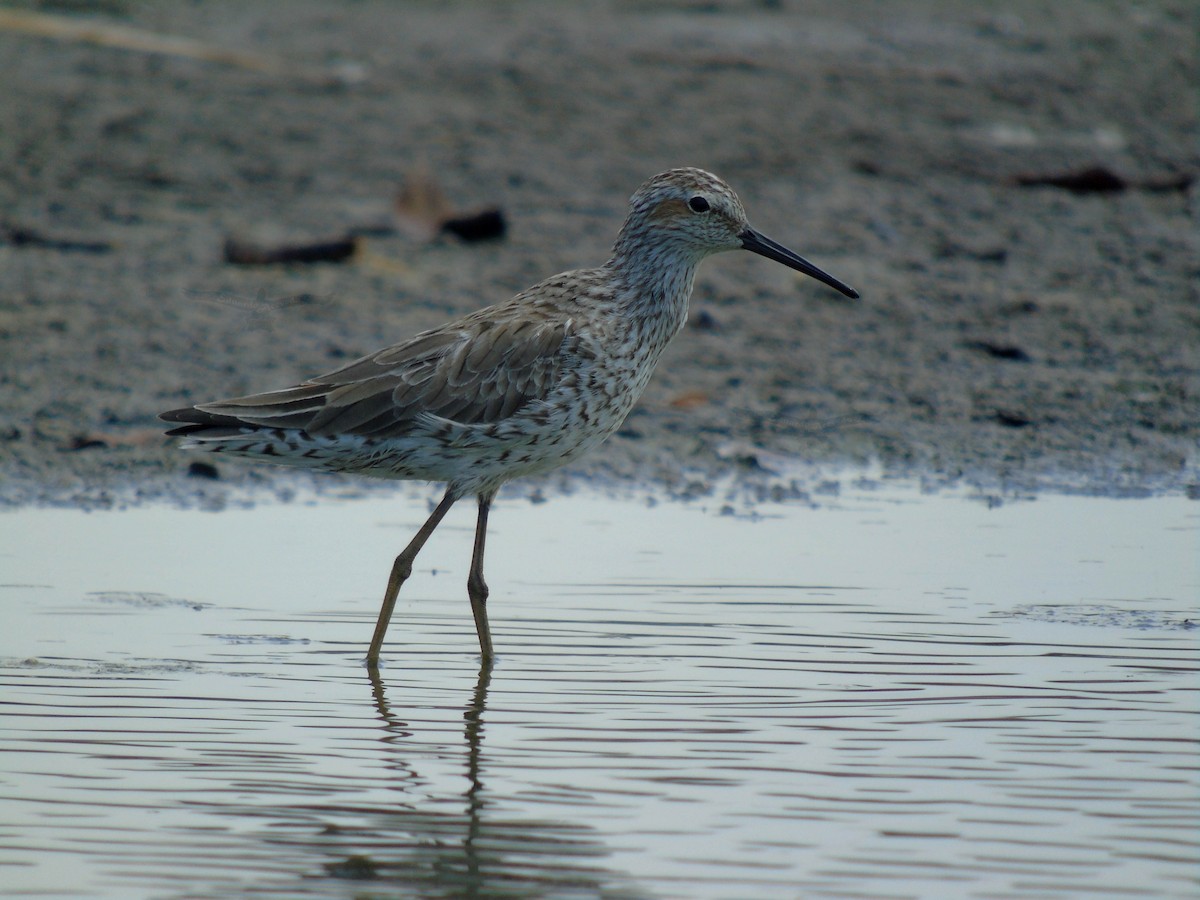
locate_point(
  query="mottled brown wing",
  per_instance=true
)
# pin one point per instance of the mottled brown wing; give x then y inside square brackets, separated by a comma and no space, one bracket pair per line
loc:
[479,369]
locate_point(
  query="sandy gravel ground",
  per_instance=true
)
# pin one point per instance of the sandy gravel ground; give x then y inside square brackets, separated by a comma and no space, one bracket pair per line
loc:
[1028,337]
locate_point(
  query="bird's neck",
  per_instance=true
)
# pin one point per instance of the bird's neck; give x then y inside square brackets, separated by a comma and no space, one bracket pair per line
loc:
[657,284]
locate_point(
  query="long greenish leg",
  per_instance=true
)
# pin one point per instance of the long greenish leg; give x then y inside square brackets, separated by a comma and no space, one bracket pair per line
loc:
[477,588]
[401,569]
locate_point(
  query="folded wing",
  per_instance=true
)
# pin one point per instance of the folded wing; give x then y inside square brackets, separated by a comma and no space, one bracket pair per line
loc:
[480,369]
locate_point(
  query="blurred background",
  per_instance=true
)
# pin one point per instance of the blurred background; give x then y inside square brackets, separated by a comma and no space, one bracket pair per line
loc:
[1011,190]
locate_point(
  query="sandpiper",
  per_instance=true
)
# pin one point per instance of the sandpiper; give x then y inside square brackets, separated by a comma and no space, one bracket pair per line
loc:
[513,389]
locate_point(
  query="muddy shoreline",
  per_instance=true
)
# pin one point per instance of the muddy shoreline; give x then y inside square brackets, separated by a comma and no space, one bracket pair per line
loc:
[1027,337]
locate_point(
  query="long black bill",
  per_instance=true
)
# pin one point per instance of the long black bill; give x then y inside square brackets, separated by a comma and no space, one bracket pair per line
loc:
[764,246]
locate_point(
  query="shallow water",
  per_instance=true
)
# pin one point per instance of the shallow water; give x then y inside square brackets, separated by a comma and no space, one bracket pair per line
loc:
[891,694]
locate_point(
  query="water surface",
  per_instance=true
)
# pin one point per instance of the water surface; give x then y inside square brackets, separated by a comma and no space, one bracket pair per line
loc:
[890,694]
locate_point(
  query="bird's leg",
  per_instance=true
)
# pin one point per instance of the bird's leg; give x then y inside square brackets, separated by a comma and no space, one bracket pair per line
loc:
[477,589]
[401,569]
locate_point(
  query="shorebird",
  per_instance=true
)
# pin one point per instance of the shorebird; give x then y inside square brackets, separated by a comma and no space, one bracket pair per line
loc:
[513,389]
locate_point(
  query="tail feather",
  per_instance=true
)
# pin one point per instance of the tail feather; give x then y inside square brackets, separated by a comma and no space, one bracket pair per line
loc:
[196,422]
[216,433]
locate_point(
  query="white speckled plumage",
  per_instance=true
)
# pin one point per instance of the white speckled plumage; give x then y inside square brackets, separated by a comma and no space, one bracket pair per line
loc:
[513,389]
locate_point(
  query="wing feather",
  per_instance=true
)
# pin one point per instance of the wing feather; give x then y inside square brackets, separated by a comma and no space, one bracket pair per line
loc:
[480,369]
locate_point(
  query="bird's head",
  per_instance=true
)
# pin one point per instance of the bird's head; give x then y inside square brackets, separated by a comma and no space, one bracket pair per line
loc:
[694,213]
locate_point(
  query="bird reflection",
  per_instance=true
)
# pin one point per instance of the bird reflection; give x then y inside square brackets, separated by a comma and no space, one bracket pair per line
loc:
[473,732]
[418,845]
[473,716]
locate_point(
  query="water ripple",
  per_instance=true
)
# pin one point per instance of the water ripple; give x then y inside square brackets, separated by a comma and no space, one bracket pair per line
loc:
[954,700]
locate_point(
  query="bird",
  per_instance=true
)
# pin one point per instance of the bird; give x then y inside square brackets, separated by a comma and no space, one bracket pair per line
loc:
[514,389]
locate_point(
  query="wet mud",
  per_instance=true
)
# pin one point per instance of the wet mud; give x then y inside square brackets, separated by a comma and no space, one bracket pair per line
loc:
[1011,191]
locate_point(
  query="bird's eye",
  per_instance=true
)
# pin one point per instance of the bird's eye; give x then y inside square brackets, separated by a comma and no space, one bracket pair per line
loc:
[698,204]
